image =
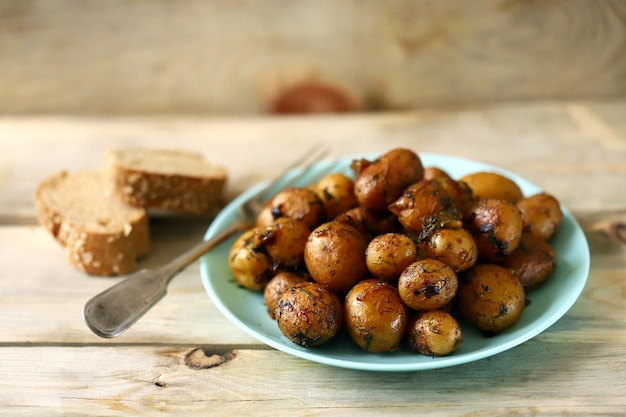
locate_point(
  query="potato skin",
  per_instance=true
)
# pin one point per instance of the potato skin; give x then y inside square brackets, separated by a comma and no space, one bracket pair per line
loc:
[250,266]
[434,333]
[533,262]
[427,284]
[432,172]
[541,215]
[454,247]
[460,193]
[425,204]
[370,223]
[336,191]
[375,316]
[299,203]
[381,182]
[281,282]
[265,217]
[492,185]
[284,242]
[334,255]
[308,314]
[387,255]
[490,297]
[496,226]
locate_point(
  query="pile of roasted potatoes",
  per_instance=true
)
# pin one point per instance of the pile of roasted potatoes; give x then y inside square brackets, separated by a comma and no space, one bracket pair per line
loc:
[398,253]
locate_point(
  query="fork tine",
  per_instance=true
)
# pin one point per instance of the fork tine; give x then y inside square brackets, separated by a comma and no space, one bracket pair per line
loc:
[305,162]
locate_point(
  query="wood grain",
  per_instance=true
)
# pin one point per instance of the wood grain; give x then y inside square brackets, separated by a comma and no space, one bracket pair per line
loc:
[186,358]
[192,56]
[148,379]
[32,149]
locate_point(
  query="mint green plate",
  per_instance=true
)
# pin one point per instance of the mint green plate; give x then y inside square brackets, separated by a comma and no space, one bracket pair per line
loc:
[547,304]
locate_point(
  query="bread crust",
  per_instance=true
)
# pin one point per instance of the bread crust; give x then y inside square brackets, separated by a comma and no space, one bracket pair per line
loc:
[108,244]
[167,187]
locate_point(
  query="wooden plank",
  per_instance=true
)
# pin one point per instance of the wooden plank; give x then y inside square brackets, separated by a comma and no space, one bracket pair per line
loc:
[186,358]
[42,297]
[77,57]
[31,149]
[538,378]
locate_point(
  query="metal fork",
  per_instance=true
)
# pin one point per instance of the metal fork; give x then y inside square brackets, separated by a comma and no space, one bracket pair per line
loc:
[115,310]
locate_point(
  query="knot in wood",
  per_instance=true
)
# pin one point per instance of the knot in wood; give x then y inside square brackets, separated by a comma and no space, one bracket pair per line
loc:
[200,359]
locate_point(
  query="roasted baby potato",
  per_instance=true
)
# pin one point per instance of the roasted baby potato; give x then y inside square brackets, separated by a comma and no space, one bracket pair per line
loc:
[434,333]
[354,217]
[492,185]
[265,217]
[490,297]
[276,286]
[541,214]
[309,314]
[431,172]
[387,255]
[454,247]
[380,182]
[533,262]
[300,204]
[248,262]
[336,191]
[427,284]
[496,226]
[334,255]
[370,224]
[284,241]
[425,205]
[375,316]
[459,192]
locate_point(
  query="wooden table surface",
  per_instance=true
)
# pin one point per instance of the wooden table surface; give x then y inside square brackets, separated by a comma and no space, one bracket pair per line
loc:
[51,364]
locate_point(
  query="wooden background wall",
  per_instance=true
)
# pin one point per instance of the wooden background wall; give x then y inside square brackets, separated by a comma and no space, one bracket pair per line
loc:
[256,56]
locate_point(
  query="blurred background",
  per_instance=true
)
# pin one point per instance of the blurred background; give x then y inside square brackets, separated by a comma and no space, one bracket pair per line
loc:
[253,57]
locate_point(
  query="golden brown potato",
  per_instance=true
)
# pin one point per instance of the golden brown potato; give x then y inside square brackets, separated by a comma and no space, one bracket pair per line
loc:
[276,286]
[454,247]
[425,205]
[434,333]
[492,185]
[435,172]
[336,191]
[250,266]
[387,255]
[459,192]
[309,314]
[533,261]
[299,203]
[427,284]
[375,316]
[541,214]
[496,226]
[378,223]
[334,255]
[490,297]
[354,218]
[265,217]
[284,242]
[381,182]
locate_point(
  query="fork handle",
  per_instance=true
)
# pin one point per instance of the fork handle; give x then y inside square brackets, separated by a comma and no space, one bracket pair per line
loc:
[115,310]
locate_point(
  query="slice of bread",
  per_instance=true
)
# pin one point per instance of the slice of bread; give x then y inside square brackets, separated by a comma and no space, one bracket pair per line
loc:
[165,179]
[103,236]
